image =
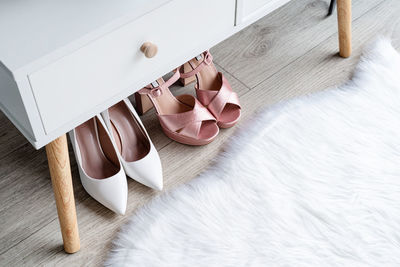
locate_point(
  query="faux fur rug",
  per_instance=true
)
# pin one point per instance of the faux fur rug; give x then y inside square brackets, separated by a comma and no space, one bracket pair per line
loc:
[311,182]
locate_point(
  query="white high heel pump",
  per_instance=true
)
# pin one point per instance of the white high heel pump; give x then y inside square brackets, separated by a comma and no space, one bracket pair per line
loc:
[136,152]
[100,170]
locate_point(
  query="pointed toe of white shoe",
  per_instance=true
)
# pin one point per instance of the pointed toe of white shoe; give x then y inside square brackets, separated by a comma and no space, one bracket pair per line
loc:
[136,152]
[119,210]
[147,171]
[157,181]
[111,192]
[117,202]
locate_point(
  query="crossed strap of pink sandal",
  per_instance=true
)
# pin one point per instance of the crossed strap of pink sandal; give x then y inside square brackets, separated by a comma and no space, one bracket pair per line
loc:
[219,98]
[182,118]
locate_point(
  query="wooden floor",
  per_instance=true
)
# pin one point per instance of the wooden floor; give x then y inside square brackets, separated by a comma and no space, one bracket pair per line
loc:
[291,52]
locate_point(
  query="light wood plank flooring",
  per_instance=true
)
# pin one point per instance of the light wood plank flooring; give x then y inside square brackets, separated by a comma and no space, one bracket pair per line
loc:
[291,52]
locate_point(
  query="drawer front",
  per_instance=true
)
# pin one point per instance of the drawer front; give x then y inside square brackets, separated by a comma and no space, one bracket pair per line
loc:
[249,11]
[77,83]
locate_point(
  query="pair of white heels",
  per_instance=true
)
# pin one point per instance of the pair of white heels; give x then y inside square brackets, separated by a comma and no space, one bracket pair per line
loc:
[110,145]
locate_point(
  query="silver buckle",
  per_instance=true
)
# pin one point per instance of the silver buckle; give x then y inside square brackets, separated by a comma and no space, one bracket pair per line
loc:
[155,84]
[199,57]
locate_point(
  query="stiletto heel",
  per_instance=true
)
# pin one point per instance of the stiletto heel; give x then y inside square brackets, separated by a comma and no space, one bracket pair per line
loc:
[188,80]
[143,103]
[182,118]
[213,90]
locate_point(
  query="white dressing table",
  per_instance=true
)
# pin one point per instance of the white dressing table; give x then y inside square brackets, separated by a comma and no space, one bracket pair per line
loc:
[62,62]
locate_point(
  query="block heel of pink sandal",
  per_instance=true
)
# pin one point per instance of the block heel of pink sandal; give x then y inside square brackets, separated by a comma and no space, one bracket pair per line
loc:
[143,103]
[188,80]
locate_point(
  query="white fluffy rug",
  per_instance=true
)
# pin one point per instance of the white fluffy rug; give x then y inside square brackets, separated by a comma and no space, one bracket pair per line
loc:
[311,182]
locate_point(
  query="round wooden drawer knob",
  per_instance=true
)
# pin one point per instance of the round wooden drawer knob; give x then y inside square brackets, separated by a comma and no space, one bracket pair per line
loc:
[149,49]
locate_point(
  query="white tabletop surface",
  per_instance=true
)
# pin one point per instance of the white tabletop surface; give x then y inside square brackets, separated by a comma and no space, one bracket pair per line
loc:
[32,29]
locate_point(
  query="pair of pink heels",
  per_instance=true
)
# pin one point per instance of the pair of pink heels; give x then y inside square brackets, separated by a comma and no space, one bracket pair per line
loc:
[190,120]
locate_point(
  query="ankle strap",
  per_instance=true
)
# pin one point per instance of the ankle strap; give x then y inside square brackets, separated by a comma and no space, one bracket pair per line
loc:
[157,91]
[206,62]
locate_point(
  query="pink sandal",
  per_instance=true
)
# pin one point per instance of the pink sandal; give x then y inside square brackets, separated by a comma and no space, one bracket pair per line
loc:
[183,119]
[212,89]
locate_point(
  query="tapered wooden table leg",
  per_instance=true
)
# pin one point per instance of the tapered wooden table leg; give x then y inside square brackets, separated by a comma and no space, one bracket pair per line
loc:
[344,27]
[60,172]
